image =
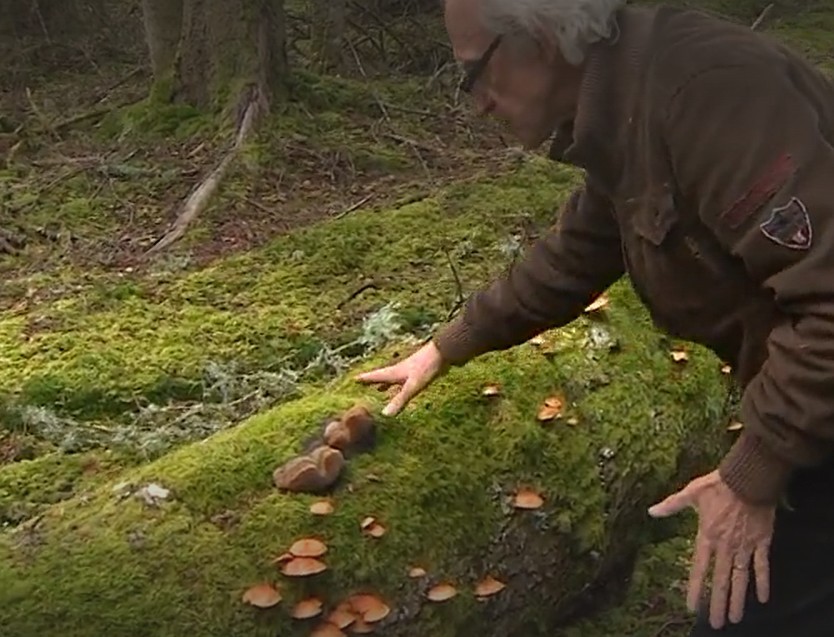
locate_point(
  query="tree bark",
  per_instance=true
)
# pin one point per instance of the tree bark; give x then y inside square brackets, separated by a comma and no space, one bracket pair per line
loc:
[217,54]
[328,22]
[8,24]
[229,58]
[163,27]
[228,49]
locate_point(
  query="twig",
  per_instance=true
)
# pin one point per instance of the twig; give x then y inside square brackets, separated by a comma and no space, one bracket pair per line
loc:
[461,299]
[413,111]
[762,16]
[37,7]
[365,75]
[353,295]
[679,621]
[415,147]
[103,95]
[383,24]
[258,205]
[199,199]
[353,207]
[409,141]
[82,117]
[67,175]
[37,111]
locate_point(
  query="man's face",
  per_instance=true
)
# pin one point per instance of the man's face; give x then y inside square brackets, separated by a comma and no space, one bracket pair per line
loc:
[515,82]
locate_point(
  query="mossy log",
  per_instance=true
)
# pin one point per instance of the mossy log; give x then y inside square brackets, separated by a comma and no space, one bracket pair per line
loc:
[634,425]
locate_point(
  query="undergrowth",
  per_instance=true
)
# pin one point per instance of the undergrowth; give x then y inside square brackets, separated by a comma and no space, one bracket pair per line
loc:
[117,351]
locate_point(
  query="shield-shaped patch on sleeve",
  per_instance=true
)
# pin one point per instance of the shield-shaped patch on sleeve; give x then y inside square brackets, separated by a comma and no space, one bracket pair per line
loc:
[789,225]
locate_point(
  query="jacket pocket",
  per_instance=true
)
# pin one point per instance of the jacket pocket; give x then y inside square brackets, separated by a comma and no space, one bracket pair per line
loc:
[654,220]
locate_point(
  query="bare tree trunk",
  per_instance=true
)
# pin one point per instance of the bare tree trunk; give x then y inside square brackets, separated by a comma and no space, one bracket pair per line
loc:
[57,17]
[8,24]
[163,26]
[328,19]
[51,21]
[229,48]
[230,59]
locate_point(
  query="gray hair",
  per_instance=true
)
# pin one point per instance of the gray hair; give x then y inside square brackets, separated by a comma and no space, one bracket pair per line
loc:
[573,23]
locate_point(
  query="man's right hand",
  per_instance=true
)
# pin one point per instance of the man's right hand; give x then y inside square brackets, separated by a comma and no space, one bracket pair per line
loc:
[413,374]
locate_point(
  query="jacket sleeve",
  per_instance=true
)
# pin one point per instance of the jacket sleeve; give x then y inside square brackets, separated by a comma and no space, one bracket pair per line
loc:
[550,285]
[748,150]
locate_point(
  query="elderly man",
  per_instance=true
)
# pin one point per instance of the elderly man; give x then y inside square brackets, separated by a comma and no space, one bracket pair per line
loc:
[709,180]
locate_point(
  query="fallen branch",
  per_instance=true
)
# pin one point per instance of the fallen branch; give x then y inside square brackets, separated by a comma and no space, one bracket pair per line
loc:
[361,68]
[672,623]
[103,95]
[200,197]
[362,289]
[762,17]
[353,207]
[47,126]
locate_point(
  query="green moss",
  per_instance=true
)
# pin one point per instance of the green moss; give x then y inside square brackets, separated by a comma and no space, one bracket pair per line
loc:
[119,340]
[154,117]
[27,486]
[335,94]
[436,480]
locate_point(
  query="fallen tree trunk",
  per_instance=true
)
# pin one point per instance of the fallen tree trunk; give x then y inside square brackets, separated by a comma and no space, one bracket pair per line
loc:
[442,482]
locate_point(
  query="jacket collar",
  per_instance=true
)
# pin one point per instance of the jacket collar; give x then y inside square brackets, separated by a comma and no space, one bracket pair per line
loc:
[607,97]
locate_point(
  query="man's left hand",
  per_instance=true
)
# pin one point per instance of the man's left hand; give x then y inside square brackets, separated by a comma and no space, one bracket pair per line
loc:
[737,533]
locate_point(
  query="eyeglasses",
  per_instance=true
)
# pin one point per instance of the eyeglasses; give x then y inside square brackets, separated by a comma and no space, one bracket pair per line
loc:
[473,70]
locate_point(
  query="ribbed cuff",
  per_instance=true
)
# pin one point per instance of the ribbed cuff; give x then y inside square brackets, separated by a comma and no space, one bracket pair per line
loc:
[457,342]
[753,471]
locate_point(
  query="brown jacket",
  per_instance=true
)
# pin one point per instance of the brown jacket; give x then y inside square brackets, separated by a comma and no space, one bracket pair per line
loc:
[707,150]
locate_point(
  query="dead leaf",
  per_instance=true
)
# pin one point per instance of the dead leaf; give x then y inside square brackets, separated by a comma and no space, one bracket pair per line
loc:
[322,507]
[326,629]
[303,566]
[491,390]
[307,608]
[537,340]
[441,592]
[308,547]
[551,408]
[726,369]
[679,356]
[573,421]
[735,426]
[368,521]
[370,607]
[527,499]
[489,586]
[263,595]
[599,303]
[416,571]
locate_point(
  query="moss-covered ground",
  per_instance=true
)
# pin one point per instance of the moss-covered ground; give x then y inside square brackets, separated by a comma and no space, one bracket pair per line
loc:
[345,230]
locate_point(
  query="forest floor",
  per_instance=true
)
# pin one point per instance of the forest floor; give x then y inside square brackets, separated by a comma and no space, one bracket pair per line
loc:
[119,359]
